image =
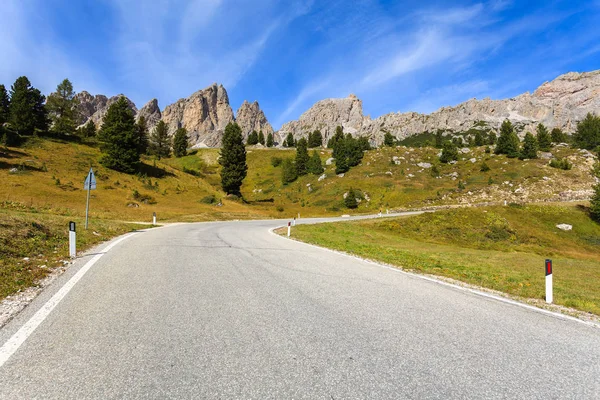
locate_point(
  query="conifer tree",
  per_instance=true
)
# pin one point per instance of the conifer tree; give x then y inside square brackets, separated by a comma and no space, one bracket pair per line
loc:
[449,152]
[595,201]
[339,135]
[288,171]
[4,105]
[388,139]
[315,166]
[142,132]
[315,139]
[159,145]
[530,147]
[363,143]
[439,138]
[508,142]
[353,151]
[252,138]
[587,135]
[62,108]
[558,136]
[90,129]
[119,139]
[270,141]
[289,141]
[350,200]
[27,111]
[233,160]
[302,157]
[261,138]
[341,157]
[544,141]
[492,138]
[479,139]
[180,142]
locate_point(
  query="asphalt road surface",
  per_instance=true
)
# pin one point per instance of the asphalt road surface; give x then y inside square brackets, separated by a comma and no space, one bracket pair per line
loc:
[229,310]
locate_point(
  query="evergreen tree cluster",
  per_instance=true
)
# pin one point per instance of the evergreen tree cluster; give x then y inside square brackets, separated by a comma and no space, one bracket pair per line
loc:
[348,152]
[587,135]
[449,152]
[270,141]
[119,140]
[62,109]
[508,142]
[289,141]
[252,138]
[339,135]
[180,142]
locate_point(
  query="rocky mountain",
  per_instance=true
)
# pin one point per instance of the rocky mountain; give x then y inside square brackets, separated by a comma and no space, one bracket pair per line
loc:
[151,112]
[560,103]
[204,114]
[251,118]
[94,107]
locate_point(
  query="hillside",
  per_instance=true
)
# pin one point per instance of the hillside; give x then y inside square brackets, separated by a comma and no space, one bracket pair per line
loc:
[188,188]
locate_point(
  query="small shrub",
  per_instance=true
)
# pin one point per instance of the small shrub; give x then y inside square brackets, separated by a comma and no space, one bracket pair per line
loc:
[192,172]
[143,198]
[276,161]
[210,199]
[488,150]
[561,163]
[435,171]
[279,208]
[484,167]
[350,200]
[461,185]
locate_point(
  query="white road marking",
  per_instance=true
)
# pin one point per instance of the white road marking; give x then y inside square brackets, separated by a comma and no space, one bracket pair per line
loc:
[16,340]
[441,282]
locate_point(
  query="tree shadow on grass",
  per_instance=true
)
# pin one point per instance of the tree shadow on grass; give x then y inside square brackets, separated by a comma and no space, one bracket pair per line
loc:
[8,153]
[153,171]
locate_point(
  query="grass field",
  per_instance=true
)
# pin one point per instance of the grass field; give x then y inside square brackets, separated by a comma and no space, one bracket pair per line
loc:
[33,243]
[500,248]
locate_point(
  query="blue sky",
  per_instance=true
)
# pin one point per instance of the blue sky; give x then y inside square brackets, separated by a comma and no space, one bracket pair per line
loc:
[394,55]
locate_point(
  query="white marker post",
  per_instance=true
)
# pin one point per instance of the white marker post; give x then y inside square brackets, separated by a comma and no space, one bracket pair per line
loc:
[549,281]
[294,222]
[90,184]
[289,228]
[72,240]
[154,218]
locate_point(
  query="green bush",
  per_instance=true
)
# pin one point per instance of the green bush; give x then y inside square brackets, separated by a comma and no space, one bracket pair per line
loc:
[276,161]
[484,167]
[561,164]
[210,199]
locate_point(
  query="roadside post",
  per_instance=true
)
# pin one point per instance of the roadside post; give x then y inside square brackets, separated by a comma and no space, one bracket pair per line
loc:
[549,281]
[89,184]
[72,240]
[294,222]
[289,228]
[153,218]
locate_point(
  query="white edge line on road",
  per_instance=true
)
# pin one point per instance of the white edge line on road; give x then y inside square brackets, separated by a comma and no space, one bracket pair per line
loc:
[441,282]
[16,340]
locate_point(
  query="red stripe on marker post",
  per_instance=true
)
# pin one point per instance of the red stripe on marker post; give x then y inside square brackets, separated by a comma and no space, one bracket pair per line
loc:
[548,267]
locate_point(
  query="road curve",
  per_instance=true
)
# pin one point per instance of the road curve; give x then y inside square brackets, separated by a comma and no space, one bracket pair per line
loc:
[228,310]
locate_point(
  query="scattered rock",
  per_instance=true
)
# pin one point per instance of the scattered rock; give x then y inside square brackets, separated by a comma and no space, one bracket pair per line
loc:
[13,170]
[424,165]
[329,161]
[564,227]
[473,160]
[546,155]
[322,177]
[340,175]
[465,150]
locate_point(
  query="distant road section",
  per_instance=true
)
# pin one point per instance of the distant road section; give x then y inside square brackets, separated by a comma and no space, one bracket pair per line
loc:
[229,310]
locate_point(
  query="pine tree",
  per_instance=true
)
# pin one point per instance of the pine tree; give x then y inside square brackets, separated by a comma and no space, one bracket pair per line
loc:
[253,138]
[27,112]
[388,139]
[119,139]
[353,151]
[302,157]
[341,157]
[595,201]
[4,105]
[439,138]
[492,139]
[261,138]
[508,142]
[270,141]
[449,152]
[180,142]
[142,132]
[89,129]
[315,166]
[315,139]
[288,172]
[530,147]
[289,141]
[558,136]
[339,135]
[363,143]
[479,139]
[587,135]
[543,138]
[159,145]
[233,160]
[350,200]
[62,108]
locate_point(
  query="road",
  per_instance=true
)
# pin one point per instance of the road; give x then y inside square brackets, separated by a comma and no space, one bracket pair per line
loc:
[229,310]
